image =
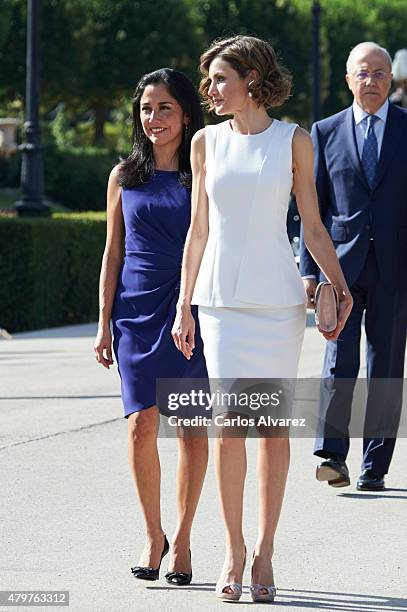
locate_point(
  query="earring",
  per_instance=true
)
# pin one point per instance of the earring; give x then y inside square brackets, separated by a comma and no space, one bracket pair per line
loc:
[248,89]
[186,129]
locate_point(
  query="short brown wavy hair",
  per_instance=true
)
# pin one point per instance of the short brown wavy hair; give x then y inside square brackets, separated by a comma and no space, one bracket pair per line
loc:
[246,53]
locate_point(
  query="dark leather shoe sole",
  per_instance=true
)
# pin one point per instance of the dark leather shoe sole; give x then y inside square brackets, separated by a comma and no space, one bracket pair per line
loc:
[341,481]
[325,472]
[334,478]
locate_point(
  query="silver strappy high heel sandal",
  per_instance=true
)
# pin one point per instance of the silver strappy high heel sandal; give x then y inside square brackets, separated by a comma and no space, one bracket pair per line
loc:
[233,595]
[257,591]
[234,587]
[258,595]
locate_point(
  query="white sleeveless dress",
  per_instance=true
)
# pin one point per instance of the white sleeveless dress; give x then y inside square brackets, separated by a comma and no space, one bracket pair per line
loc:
[252,303]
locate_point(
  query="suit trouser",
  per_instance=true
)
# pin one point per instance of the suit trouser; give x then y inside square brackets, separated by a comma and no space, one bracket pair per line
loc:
[385,326]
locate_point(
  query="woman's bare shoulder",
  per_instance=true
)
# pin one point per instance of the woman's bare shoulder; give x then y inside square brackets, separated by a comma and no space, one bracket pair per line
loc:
[198,145]
[198,139]
[301,136]
[302,144]
[114,176]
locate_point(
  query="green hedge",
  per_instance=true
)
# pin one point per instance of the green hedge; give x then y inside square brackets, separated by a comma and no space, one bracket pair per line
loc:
[49,270]
[77,176]
[74,176]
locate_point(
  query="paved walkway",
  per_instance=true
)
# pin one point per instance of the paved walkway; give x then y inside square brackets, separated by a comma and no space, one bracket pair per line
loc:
[70,521]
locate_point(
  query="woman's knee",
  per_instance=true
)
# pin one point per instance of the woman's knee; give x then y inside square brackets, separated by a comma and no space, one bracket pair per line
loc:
[143,425]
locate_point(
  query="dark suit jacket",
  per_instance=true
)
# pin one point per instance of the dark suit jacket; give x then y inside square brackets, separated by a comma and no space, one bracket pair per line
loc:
[351,211]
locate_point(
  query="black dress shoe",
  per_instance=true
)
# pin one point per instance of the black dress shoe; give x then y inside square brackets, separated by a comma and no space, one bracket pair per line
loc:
[150,573]
[370,481]
[179,578]
[334,471]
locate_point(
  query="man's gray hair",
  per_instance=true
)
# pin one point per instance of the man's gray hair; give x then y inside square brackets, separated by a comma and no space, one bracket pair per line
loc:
[369,46]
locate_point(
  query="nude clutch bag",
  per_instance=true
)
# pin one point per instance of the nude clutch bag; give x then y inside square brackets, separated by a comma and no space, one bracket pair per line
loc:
[326,306]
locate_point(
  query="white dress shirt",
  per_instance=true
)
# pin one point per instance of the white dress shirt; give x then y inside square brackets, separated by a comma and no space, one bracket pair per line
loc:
[360,130]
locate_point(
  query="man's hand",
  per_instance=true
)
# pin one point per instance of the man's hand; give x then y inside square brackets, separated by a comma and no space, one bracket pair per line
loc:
[310,285]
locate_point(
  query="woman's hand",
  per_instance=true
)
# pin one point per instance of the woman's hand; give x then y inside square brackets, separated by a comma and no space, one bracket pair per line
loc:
[344,310]
[103,347]
[310,286]
[183,331]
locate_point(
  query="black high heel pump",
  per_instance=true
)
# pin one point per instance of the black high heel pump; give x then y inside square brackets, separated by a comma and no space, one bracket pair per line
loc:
[179,578]
[150,573]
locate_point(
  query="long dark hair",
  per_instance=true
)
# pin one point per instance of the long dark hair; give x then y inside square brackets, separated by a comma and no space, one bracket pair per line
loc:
[139,165]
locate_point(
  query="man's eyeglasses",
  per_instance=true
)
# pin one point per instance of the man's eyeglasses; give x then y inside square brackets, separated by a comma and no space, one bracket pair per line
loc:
[379,75]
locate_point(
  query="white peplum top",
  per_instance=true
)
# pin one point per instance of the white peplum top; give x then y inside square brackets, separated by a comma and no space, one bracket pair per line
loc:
[248,261]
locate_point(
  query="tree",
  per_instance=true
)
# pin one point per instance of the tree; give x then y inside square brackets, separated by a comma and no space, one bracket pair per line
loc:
[344,24]
[94,51]
[125,39]
[278,21]
[12,51]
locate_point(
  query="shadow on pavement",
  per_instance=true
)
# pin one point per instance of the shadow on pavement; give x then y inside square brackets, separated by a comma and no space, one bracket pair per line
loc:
[315,600]
[381,495]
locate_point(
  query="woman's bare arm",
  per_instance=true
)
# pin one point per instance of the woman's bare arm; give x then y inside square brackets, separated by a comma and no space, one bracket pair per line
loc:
[316,236]
[111,263]
[184,326]
[197,236]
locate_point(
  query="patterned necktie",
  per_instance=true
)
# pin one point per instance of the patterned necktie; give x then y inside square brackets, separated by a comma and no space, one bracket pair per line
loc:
[369,153]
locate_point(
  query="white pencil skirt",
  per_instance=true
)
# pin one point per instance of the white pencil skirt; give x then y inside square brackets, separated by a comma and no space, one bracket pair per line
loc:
[252,342]
[252,351]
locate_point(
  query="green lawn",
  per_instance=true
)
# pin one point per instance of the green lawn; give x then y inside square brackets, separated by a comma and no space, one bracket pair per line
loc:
[9,196]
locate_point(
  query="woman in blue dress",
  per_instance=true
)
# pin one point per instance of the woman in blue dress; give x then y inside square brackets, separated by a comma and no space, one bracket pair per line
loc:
[148,211]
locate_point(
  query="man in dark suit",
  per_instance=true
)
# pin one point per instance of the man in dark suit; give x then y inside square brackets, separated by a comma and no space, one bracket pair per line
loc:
[361,180]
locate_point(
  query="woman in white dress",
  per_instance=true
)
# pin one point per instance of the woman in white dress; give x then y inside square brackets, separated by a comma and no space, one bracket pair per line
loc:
[239,268]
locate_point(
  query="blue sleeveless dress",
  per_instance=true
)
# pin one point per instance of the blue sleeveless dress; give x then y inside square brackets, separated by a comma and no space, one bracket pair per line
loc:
[156,218]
